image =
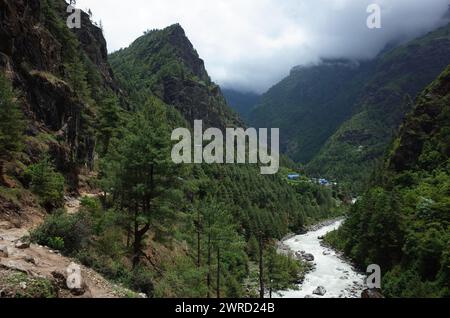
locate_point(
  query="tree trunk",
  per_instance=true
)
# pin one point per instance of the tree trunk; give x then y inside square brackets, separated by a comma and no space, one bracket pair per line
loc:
[199,260]
[208,276]
[261,269]
[218,273]
[138,237]
[2,173]
[136,243]
[128,235]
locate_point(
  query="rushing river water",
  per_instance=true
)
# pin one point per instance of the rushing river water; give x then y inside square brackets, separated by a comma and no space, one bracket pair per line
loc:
[336,275]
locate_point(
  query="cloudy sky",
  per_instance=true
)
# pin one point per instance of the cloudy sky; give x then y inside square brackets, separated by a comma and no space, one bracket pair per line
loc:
[250,45]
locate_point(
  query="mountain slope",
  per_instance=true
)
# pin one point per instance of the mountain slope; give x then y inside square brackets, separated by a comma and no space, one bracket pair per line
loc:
[310,104]
[242,103]
[398,76]
[402,223]
[165,63]
[163,229]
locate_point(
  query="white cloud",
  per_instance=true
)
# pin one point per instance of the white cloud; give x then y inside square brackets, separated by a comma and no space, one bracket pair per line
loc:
[251,44]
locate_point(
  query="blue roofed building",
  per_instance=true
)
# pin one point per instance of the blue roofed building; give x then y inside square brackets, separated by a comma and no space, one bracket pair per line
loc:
[293,176]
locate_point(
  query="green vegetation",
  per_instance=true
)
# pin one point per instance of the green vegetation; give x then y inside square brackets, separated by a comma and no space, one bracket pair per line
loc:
[396,78]
[310,104]
[46,183]
[66,233]
[402,223]
[242,103]
[141,176]
[20,285]
[157,228]
[12,125]
[165,64]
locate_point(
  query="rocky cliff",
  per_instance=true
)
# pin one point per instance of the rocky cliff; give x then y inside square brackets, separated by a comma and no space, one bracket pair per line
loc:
[164,63]
[49,65]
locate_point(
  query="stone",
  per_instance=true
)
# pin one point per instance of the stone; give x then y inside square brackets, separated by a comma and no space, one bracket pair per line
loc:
[320,291]
[14,266]
[31,260]
[21,245]
[4,251]
[308,257]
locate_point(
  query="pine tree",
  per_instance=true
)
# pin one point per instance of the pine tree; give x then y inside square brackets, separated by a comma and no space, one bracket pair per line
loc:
[142,178]
[108,122]
[11,125]
[221,239]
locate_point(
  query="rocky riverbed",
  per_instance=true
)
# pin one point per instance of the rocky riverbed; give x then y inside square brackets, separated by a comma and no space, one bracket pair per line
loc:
[332,276]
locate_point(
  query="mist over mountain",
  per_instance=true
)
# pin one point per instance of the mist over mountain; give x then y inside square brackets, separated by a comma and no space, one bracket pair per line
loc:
[253,44]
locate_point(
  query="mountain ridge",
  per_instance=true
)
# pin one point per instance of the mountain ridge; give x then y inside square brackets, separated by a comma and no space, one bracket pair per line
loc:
[166,63]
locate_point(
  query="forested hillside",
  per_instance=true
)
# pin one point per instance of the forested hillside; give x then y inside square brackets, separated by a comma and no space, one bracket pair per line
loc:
[398,76]
[69,127]
[402,223]
[165,63]
[339,117]
[242,103]
[310,105]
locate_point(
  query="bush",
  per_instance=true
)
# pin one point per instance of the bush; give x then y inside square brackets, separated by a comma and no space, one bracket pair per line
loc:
[45,182]
[67,233]
[142,280]
[57,243]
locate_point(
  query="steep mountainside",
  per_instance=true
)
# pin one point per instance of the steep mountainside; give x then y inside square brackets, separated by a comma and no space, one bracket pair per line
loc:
[54,82]
[310,104]
[242,103]
[165,63]
[159,228]
[403,223]
[398,76]
[60,77]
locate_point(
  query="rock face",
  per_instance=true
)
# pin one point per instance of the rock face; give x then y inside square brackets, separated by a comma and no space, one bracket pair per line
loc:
[34,53]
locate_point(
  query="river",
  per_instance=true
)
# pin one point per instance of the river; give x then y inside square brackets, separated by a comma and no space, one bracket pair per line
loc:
[336,275]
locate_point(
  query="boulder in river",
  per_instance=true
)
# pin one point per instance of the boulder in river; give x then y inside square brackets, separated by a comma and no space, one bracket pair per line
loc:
[308,257]
[320,291]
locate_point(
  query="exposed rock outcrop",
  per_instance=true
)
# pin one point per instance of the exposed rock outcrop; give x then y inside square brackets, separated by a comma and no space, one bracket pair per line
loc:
[166,63]
[33,53]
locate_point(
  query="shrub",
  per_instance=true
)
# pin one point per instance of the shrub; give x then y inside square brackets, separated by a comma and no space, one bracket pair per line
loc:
[67,233]
[46,183]
[56,243]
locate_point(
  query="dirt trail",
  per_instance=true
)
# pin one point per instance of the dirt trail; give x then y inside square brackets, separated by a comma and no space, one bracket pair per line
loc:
[42,262]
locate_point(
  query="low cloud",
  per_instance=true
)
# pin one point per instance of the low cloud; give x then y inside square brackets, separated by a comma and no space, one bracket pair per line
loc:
[250,45]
